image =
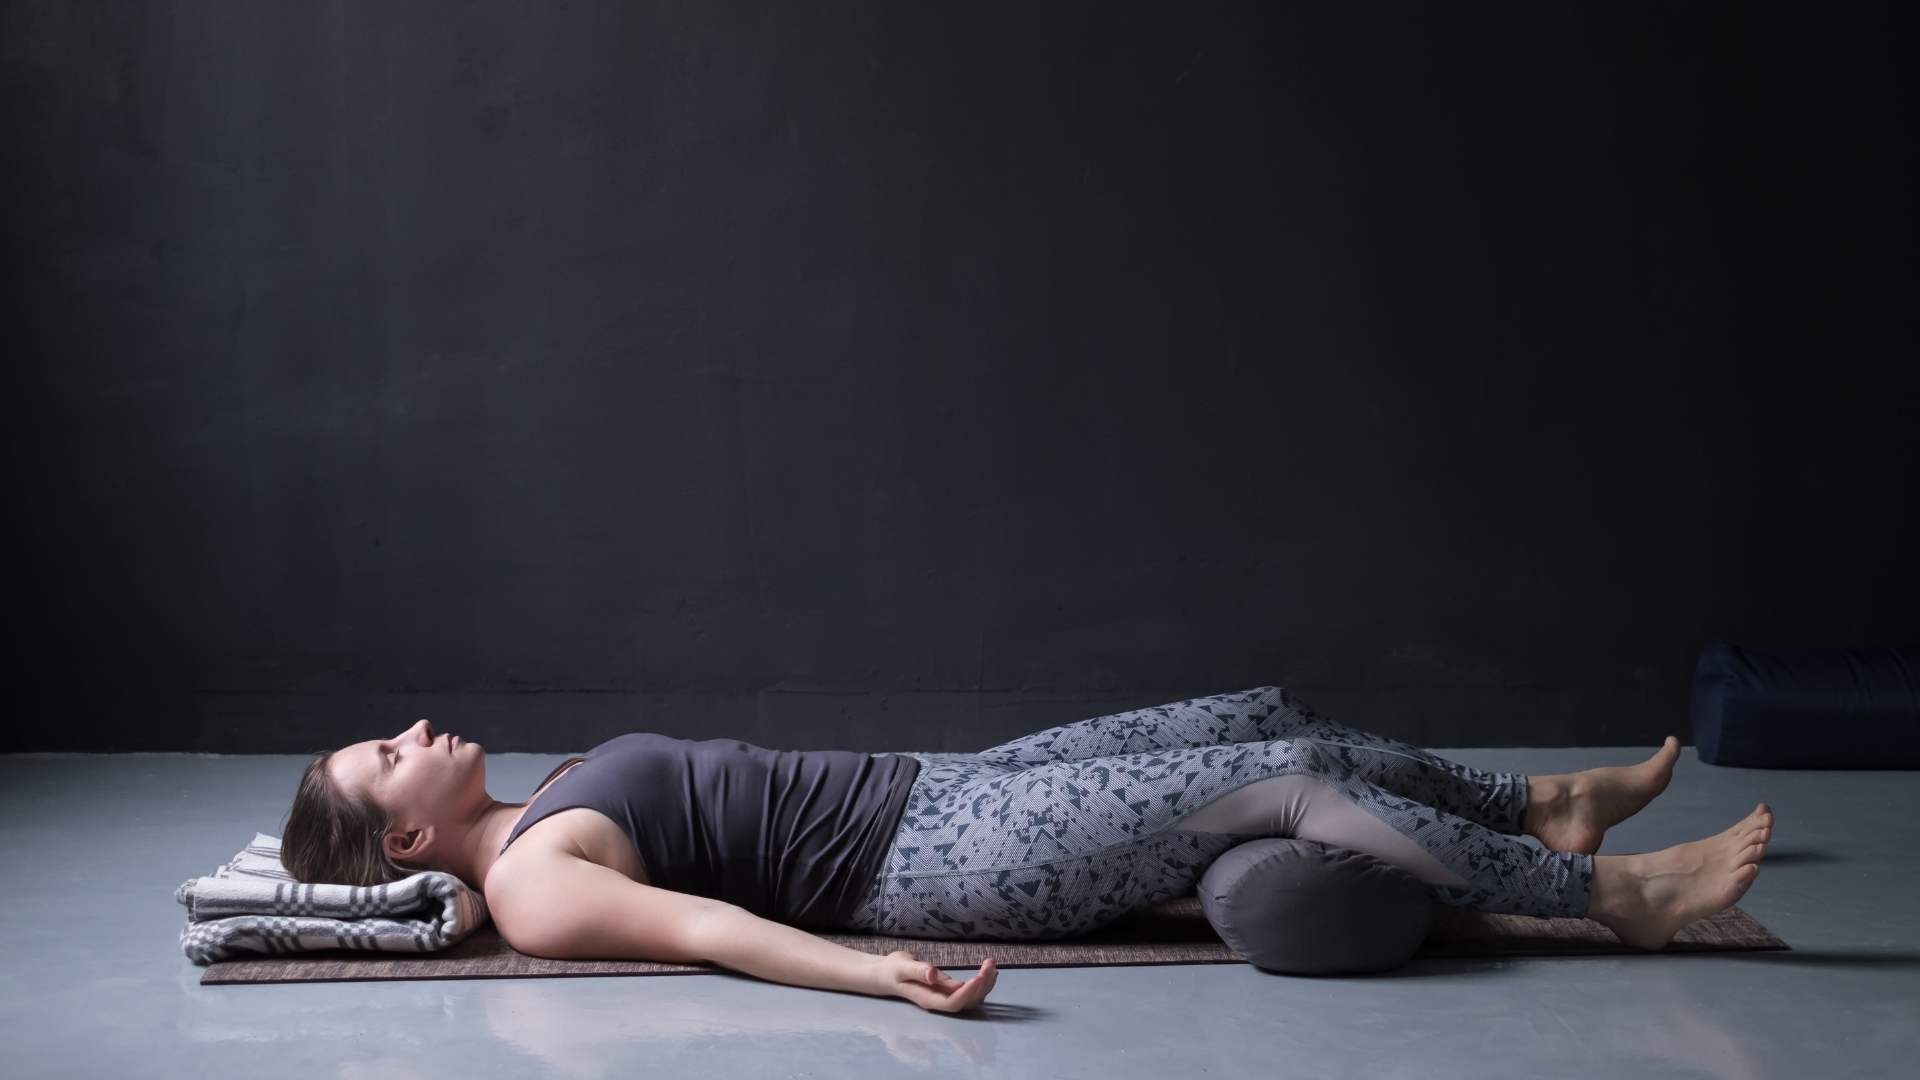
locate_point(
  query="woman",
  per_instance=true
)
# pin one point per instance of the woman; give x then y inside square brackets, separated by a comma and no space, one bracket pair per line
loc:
[664,849]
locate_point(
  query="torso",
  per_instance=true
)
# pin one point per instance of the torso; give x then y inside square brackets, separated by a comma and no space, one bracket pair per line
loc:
[792,836]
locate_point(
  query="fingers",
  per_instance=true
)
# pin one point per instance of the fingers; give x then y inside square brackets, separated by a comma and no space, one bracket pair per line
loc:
[932,988]
[932,976]
[972,992]
[985,977]
[950,994]
[917,970]
[943,981]
[988,974]
[976,989]
[968,997]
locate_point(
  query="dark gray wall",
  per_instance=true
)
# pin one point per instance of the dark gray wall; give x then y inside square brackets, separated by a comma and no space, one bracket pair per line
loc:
[912,376]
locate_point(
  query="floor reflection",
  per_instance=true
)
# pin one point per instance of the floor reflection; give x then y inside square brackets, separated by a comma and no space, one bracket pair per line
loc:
[1666,1022]
[386,1068]
[585,1038]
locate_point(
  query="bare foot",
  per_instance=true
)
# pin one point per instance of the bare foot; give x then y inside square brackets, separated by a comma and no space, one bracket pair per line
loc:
[1573,811]
[1646,899]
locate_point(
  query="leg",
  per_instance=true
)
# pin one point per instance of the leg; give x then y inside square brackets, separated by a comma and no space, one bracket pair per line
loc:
[1644,899]
[1062,848]
[1497,801]
[1566,812]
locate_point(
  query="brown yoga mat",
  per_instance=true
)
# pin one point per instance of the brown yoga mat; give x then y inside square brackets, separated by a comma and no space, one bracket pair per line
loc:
[1173,933]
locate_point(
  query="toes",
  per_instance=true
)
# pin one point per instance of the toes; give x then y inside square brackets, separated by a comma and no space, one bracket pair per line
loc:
[1665,757]
[1737,885]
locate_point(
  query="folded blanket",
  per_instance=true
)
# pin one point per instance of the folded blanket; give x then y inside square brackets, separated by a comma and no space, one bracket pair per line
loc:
[253,905]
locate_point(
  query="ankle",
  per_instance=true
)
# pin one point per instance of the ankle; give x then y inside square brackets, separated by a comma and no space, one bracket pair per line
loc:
[1547,798]
[1614,893]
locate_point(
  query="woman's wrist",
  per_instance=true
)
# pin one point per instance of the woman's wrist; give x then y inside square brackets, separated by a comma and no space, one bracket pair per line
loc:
[881,980]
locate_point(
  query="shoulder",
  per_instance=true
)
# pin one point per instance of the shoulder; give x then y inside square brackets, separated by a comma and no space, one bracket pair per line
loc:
[576,833]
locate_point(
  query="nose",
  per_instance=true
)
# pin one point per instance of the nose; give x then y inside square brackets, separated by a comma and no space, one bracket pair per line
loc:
[421,732]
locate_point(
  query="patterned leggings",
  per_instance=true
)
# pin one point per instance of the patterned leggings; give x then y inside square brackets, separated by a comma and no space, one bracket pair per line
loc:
[1063,831]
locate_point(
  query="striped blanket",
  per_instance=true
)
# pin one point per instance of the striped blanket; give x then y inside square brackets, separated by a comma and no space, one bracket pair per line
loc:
[252,905]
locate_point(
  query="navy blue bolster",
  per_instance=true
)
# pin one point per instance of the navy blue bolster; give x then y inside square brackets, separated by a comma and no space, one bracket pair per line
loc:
[1808,708]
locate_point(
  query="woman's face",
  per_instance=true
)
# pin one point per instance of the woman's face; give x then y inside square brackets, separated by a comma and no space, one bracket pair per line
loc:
[417,776]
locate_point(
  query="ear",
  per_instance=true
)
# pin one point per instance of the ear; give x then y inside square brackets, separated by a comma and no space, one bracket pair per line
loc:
[408,845]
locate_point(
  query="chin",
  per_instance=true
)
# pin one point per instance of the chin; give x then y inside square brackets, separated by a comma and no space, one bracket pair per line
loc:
[473,771]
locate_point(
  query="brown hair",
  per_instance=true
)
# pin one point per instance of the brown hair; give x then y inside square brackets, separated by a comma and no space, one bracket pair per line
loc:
[334,837]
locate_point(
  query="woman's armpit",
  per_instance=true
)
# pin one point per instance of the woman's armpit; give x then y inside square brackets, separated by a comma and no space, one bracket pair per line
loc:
[578,832]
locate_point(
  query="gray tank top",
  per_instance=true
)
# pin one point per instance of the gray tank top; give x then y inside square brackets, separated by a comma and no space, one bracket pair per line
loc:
[797,837]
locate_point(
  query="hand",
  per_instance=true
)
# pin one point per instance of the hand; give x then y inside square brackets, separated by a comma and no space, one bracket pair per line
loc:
[932,989]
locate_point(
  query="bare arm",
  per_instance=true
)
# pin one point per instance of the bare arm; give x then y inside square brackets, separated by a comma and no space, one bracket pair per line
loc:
[559,905]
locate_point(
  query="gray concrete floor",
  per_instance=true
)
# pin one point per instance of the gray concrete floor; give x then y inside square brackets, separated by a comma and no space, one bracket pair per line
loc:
[92,982]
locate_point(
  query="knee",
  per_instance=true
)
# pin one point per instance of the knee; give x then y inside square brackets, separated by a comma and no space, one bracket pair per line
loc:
[1302,756]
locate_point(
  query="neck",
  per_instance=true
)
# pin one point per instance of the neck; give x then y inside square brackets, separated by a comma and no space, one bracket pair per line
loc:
[479,844]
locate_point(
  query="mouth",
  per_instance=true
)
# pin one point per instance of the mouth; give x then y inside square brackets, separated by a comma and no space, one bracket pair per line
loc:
[453,743]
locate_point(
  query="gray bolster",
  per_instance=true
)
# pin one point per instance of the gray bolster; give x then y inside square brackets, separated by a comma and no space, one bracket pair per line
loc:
[1303,908]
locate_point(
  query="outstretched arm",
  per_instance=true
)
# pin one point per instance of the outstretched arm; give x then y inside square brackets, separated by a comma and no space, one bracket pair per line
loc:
[558,905]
